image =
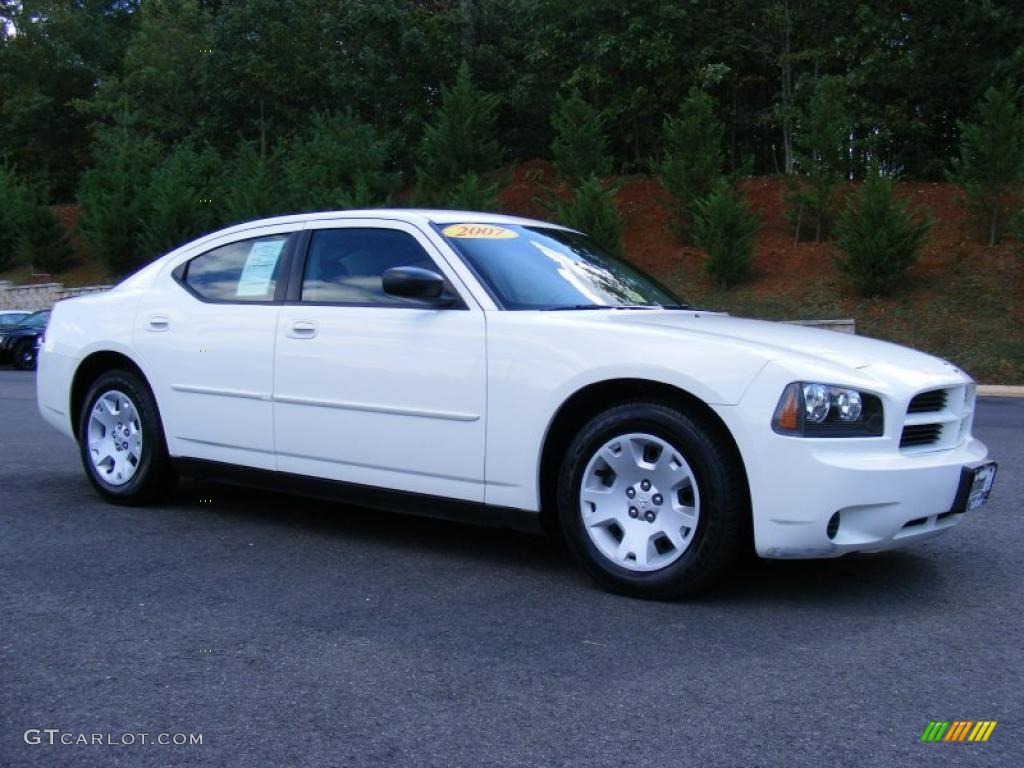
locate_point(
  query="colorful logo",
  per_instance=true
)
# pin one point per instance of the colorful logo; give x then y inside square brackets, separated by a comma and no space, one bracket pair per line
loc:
[958,730]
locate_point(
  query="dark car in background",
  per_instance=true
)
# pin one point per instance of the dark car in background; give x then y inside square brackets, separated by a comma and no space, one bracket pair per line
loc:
[9,317]
[18,342]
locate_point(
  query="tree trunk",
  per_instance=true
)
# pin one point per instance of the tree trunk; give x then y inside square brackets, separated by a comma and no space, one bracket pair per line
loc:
[993,225]
[468,26]
[787,94]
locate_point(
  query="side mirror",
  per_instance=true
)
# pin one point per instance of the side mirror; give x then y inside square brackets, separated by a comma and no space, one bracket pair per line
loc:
[415,283]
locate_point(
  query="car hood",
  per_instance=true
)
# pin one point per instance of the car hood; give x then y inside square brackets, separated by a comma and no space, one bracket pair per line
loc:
[781,340]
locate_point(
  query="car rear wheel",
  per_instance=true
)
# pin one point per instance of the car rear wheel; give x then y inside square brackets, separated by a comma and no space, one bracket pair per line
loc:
[25,355]
[121,440]
[651,502]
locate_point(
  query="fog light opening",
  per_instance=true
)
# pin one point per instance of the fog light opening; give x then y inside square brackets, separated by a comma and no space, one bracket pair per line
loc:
[833,526]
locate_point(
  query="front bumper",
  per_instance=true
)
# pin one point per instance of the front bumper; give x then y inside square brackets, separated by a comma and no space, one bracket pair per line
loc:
[881,503]
[885,496]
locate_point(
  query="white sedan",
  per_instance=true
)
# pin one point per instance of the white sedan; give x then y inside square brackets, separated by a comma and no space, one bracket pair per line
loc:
[504,370]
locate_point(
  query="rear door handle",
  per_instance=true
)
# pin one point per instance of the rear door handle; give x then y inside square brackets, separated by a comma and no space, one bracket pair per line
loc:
[158,323]
[302,329]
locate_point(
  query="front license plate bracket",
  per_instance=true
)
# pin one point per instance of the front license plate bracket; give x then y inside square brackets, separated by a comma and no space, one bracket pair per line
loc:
[975,486]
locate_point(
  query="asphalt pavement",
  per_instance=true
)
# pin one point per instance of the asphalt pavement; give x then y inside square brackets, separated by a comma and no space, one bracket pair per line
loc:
[295,633]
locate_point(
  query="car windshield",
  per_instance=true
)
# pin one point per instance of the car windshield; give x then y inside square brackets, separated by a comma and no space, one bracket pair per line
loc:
[13,318]
[547,268]
[38,320]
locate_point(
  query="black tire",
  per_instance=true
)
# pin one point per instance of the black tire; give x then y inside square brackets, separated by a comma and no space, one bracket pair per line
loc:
[154,475]
[724,507]
[25,355]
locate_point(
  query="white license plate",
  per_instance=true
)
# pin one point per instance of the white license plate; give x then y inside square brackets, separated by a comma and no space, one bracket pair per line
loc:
[981,485]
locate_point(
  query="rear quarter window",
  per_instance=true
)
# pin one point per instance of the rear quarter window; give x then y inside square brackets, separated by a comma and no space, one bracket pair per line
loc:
[246,271]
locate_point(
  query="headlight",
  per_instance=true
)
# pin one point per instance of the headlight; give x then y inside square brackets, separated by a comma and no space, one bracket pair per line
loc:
[810,409]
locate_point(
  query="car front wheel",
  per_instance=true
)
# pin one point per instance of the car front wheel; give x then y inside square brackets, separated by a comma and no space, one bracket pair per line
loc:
[651,502]
[121,440]
[25,355]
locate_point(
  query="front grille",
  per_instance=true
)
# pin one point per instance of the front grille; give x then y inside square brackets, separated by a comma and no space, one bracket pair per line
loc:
[920,434]
[928,402]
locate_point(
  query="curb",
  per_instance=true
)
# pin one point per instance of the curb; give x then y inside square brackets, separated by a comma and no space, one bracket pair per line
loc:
[999,390]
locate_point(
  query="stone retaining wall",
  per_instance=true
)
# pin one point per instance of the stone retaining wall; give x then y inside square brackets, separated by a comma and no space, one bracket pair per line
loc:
[41,295]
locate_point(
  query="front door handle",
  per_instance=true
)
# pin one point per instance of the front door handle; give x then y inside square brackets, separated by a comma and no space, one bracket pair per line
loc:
[302,329]
[158,323]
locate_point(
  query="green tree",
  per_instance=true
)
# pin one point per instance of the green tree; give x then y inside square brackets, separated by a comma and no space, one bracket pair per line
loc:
[112,196]
[693,160]
[592,209]
[14,206]
[44,242]
[61,51]
[991,160]
[879,237]
[580,148]
[251,183]
[166,86]
[180,200]
[461,139]
[725,229]
[336,154]
[473,193]
[822,144]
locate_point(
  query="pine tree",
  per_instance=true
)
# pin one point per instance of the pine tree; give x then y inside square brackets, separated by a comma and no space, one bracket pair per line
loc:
[44,242]
[991,161]
[323,166]
[879,237]
[693,159]
[113,201]
[14,200]
[461,140]
[821,145]
[181,200]
[592,210]
[473,194]
[250,185]
[725,229]
[579,149]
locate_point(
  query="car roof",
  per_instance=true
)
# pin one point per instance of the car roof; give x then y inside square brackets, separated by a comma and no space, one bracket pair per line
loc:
[411,215]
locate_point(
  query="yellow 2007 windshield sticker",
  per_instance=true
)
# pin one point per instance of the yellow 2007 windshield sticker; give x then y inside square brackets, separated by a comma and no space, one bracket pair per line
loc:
[480,231]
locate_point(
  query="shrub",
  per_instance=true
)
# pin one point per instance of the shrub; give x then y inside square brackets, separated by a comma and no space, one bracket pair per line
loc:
[692,163]
[473,194]
[580,149]
[323,167]
[113,201]
[725,229]
[180,200]
[592,210]
[879,237]
[461,140]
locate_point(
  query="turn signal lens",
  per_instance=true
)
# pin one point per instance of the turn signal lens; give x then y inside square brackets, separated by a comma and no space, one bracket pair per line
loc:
[787,414]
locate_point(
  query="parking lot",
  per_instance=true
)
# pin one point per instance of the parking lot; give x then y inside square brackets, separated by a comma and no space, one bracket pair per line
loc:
[297,633]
